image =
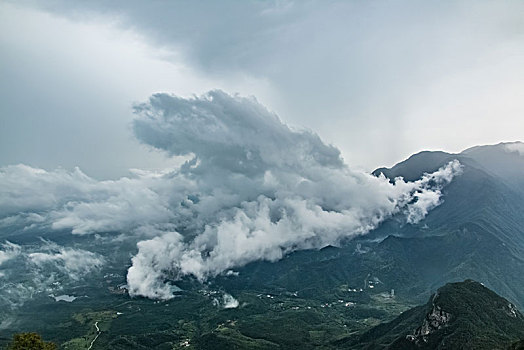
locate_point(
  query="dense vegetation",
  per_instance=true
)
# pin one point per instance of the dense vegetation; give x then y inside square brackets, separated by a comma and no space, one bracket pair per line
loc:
[478,319]
[29,341]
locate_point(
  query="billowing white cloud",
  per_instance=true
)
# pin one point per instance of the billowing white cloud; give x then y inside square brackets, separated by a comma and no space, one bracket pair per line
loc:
[229,301]
[9,251]
[269,228]
[429,196]
[252,189]
[158,257]
[261,189]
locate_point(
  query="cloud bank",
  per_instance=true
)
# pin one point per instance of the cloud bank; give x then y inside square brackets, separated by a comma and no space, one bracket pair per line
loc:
[252,188]
[29,270]
[73,263]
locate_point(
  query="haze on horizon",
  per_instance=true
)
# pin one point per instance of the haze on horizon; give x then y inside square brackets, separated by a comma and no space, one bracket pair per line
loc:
[379,80]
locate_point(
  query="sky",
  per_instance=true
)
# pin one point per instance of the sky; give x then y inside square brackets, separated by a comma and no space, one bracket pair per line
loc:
[202,136]
[379,80]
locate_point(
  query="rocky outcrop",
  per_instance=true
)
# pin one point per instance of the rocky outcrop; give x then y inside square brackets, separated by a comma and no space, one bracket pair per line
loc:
[461,315]
[435,320]
[512,311]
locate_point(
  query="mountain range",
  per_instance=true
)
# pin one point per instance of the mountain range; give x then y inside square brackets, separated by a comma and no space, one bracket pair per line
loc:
[362,293]
[477,232]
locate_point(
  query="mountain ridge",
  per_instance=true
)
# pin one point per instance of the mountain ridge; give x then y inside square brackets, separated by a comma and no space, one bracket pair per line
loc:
[476,233]
[464,315]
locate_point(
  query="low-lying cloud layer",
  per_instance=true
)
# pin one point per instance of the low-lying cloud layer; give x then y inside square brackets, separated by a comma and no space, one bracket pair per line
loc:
[253,188]
[45,267]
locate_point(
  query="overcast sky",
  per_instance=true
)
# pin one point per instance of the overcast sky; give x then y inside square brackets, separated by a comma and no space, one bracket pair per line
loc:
[380,80]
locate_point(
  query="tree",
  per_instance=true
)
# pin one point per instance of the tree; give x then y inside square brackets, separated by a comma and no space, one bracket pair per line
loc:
[30,341]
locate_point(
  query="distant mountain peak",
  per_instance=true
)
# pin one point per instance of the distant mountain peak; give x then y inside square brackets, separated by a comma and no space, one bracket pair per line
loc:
[514,146]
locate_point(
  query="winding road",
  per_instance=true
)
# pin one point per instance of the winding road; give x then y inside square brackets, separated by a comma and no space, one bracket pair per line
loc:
[97,334]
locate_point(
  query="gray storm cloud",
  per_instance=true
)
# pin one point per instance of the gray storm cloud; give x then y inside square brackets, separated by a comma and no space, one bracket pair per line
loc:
[229,132]
[253,188]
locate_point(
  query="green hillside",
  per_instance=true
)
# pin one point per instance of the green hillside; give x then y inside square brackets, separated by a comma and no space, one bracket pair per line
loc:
[463,315]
